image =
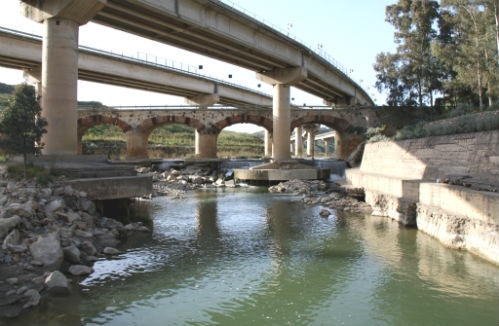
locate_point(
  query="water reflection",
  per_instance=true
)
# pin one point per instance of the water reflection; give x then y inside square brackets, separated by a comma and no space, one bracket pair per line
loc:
[231,257]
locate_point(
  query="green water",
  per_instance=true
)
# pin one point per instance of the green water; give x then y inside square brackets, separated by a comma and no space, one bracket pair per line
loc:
[247,257]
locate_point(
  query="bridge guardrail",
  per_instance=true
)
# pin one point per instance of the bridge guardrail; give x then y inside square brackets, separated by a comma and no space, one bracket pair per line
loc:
[144,58]
[323,54]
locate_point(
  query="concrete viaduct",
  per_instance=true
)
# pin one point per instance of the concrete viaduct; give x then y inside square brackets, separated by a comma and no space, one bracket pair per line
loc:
[23,51]
[208,27]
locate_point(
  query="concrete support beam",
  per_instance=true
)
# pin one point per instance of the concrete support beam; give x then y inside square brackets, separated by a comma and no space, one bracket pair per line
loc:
[287,76]
[78,11]
[136,144]
[203,100]
[206,143]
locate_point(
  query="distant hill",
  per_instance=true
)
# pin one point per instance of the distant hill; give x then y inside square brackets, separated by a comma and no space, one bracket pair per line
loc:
[6,89]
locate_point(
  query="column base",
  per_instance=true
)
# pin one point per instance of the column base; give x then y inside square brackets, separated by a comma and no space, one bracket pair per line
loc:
[281,170]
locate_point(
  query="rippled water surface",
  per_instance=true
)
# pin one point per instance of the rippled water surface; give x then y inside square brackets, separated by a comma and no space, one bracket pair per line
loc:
[247,257]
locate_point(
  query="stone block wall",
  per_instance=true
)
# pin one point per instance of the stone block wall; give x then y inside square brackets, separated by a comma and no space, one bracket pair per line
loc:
[400,181]
[475,154]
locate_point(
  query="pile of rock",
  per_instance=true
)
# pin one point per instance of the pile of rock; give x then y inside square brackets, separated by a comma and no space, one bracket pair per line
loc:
[317,192]
[339,201]
[48,234]
[175,182]
[300,187]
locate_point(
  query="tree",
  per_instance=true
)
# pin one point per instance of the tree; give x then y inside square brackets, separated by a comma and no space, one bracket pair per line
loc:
[21,125]
[469,45]
[414,71]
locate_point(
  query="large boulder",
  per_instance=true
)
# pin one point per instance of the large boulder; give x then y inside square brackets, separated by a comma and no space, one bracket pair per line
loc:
[79,270]
[7,224]
[22,210]
[57,284]
[47,249]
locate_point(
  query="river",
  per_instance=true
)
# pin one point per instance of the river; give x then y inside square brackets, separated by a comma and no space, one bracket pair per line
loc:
[248,257]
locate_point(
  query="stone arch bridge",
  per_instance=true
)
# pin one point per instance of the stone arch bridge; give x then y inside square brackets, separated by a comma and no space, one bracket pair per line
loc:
[138,123]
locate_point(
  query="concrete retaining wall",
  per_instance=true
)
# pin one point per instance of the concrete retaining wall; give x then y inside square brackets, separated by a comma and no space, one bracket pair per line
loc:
[475,154]
[400,181]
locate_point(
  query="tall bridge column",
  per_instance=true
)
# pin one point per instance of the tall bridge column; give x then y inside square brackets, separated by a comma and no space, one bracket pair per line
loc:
[298,142]
[268,143]
[136,144]
[326,145]
[206,143]
[281,79]
[59,77]
[311,129]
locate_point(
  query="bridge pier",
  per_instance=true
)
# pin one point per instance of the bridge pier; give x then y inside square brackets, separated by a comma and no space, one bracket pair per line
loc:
[136,144]
[59,75]
[268,143]
[281,79]
[298,142]
[206,143]
[311,129]
[345,144]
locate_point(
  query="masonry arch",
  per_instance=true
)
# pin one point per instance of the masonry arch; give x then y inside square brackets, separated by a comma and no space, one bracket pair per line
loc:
[251,147]
[245,118]
[140,137]
[86,123]
[347,138]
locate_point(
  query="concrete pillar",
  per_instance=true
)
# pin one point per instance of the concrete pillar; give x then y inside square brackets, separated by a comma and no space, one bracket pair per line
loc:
[59,86]
[311,130]
[59,77]
[298,142]
[268,143]
[326,147]
[206,143]
[281,79]
[34,76]
[310,143]
[136,144]
[282,119]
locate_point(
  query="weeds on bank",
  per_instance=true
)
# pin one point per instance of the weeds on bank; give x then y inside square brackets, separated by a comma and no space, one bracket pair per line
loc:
[467,122]
[41,174]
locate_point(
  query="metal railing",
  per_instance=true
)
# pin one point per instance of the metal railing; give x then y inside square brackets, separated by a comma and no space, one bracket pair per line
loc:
[145,58]
[323,54]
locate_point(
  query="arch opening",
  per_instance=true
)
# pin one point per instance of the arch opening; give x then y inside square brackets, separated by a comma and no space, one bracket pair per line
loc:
[103,139]
[241,140]
[172,140]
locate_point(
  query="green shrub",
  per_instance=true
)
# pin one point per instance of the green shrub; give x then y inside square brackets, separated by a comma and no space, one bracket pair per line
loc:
[42,175]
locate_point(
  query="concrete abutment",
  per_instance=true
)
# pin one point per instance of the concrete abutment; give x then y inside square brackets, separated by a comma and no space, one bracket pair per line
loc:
[403,180]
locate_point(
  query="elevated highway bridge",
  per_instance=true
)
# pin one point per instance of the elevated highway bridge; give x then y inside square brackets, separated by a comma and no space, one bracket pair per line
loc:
[23,51]
[207,27]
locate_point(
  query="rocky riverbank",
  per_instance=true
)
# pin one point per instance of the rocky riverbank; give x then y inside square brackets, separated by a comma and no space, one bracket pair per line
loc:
[51,235]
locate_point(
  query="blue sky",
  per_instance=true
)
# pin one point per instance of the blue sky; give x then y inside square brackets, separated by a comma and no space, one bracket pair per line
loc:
[352,32]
